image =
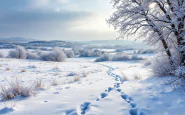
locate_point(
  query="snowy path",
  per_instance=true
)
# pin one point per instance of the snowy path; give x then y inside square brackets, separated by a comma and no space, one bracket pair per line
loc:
[113,100]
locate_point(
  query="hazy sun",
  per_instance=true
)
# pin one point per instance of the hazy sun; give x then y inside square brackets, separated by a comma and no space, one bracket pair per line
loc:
[152,5]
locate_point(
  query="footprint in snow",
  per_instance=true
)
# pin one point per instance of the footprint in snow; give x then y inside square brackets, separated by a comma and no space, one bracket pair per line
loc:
[69,112]
[56,93]
[135,111]
[85,107]
[6,110]
[119,90]
[110,89]
[103,95]
[127,98]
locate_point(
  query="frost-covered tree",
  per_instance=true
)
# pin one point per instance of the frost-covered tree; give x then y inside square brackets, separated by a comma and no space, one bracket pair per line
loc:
[57,54]
[134,16]
[19,53]
[156,20]
[173,16]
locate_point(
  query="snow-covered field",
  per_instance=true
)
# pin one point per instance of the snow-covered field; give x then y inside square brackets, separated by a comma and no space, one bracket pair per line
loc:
[83,87]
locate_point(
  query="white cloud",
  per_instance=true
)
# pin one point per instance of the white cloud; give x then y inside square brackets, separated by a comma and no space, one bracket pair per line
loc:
[55,19]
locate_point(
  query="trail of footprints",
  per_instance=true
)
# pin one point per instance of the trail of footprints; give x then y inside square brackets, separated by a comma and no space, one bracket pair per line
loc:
[85,107]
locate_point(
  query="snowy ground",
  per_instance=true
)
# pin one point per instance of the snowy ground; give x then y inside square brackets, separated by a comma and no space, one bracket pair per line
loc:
[106,88]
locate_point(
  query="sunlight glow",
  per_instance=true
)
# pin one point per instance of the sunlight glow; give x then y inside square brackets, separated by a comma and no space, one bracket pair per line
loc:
[152,5]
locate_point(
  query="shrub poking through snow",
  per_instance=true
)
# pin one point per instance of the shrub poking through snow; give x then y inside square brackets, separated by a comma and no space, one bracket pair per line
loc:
[8,69]
[55,82]
[84,74]
[104,57]
[23,70]
[76,79]
[55,55]
[19,53]
[124,77]
[161,66]
[136,76]
[16,88]
[69,53]
[39,84]
[31,55]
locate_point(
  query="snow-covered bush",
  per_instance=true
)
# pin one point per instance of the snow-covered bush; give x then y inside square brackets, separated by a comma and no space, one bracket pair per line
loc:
[16,88]
[162,67]
[1,55]
[69,53]
[180,72]
[97,53]
[85,53]
[57,54]
[145,51]
[19,53]
[31,55]
[104,57]
[90,53]
[12,54]
[120,57]
[136,57]
[45,56]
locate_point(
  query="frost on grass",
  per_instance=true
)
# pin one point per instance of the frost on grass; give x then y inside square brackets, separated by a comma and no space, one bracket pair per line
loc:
[57,54]
[19,53]
[16,88]
[39,84]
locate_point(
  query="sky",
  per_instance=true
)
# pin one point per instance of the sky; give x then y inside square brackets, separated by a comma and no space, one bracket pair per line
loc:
[56,19]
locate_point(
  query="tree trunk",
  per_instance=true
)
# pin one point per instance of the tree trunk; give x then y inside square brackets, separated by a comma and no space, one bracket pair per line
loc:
[167,50]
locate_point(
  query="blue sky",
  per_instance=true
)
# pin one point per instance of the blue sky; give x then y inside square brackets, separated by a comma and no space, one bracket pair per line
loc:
[56,19]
